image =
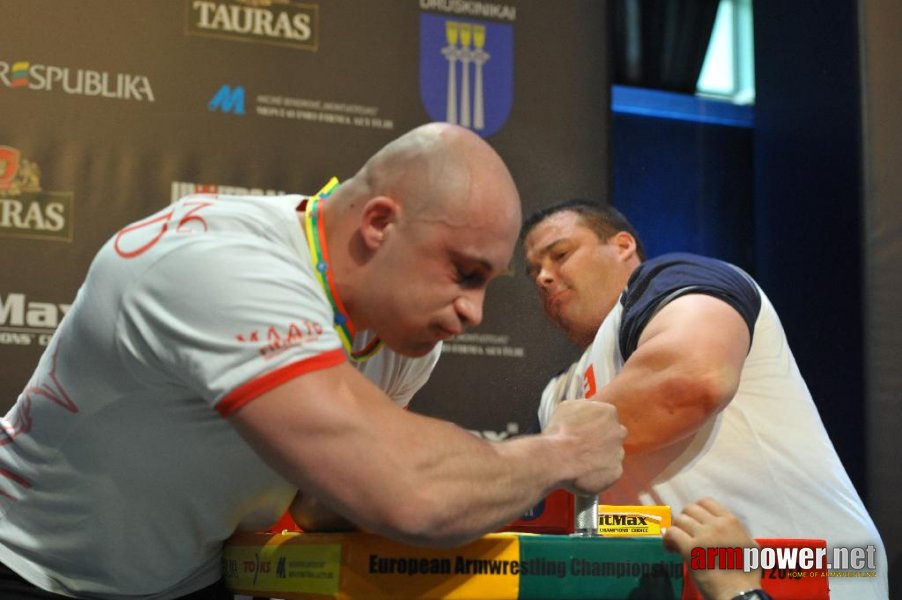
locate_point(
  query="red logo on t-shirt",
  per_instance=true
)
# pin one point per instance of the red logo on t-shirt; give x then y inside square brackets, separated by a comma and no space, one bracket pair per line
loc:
[275,341]
[589,382]
[138,238]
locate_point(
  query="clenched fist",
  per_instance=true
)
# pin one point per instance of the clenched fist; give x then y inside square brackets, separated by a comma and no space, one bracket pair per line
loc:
[591,438]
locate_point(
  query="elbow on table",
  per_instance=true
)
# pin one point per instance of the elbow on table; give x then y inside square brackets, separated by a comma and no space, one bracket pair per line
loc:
[425,518]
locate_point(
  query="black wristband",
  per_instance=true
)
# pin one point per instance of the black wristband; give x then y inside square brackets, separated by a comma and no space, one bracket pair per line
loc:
[758,594]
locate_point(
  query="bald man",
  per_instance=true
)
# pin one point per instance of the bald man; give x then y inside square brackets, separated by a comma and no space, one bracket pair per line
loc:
[228,353]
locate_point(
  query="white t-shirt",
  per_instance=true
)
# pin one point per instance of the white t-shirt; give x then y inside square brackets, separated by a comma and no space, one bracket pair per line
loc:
[121,475]
[766,456]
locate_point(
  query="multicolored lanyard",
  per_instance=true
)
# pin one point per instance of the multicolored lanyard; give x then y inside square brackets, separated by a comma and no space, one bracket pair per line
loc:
[319,254]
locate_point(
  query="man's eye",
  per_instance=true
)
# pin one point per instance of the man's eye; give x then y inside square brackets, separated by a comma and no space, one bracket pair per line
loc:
[469,278]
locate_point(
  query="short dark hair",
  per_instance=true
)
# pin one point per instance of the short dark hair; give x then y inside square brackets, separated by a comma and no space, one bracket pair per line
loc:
[603,219]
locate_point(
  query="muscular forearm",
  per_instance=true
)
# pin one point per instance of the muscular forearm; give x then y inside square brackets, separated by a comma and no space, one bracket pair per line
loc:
[415,478]
[464,486]
[472,486]
[661,408]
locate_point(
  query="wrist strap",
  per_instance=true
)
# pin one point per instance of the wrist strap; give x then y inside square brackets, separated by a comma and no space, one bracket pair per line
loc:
[755,594]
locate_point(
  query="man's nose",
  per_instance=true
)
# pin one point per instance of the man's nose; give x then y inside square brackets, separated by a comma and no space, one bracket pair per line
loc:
[469,307]
[544,277]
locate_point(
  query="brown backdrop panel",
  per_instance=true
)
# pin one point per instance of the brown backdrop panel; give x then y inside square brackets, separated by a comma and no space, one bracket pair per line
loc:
[113,109]
[556,144]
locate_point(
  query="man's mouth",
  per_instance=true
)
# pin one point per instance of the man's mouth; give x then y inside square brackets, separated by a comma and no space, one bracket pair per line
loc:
[556,297]
[445,334]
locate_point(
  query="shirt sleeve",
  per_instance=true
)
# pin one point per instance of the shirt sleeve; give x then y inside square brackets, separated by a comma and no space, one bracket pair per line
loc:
[660,280]
[566,385]
[229,322]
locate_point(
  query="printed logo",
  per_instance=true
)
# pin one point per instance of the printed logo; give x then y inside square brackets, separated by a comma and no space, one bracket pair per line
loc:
[628,525]
[26,211]
[228,100]
[235,100]
[229,567]
[20,75]
[45,386]
[80,82]
[615,521]
[180,189]
[274,341]
[279,22]
[24,322]
[589,386]
[466,71]
[790,561]
[185,217]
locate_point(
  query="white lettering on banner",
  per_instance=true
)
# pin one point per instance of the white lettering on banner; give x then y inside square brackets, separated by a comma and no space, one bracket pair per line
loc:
[12,338]
[26,210]
[83,82]
[16,311]
[19,214]
[180,189]
[282,23]
[480,344]
[321,111]
[253,20]
[91,83]
[471,8]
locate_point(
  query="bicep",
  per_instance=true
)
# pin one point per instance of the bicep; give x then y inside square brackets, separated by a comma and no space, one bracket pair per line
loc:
[701,336]
[685,368]
[326,432]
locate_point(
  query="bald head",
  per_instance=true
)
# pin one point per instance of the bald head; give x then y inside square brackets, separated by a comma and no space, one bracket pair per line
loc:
[442,171]
[419,232]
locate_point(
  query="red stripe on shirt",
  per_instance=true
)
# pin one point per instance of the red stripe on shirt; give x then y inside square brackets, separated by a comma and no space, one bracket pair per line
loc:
[13,477]
[257,387]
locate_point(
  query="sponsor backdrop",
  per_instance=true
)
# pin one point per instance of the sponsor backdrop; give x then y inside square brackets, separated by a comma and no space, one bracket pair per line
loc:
[112,109]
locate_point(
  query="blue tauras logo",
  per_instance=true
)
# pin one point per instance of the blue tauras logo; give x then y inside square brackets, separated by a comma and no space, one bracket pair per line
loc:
[466,71]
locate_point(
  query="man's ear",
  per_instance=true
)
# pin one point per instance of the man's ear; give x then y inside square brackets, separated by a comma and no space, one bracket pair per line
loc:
[625,244]
[379,214]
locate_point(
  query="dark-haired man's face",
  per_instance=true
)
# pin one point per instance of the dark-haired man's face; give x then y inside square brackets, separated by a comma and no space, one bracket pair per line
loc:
[578,276]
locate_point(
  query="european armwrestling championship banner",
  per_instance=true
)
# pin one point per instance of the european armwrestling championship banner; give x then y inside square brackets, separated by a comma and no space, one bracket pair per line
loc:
[110,110]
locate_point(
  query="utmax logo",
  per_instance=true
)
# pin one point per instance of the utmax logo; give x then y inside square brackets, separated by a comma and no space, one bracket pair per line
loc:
[24,322]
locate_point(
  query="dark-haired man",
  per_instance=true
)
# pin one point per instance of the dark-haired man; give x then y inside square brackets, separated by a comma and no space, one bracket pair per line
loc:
[692,354]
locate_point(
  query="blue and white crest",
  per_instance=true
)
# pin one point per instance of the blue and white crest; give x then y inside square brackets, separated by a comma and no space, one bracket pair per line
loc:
[467,71]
